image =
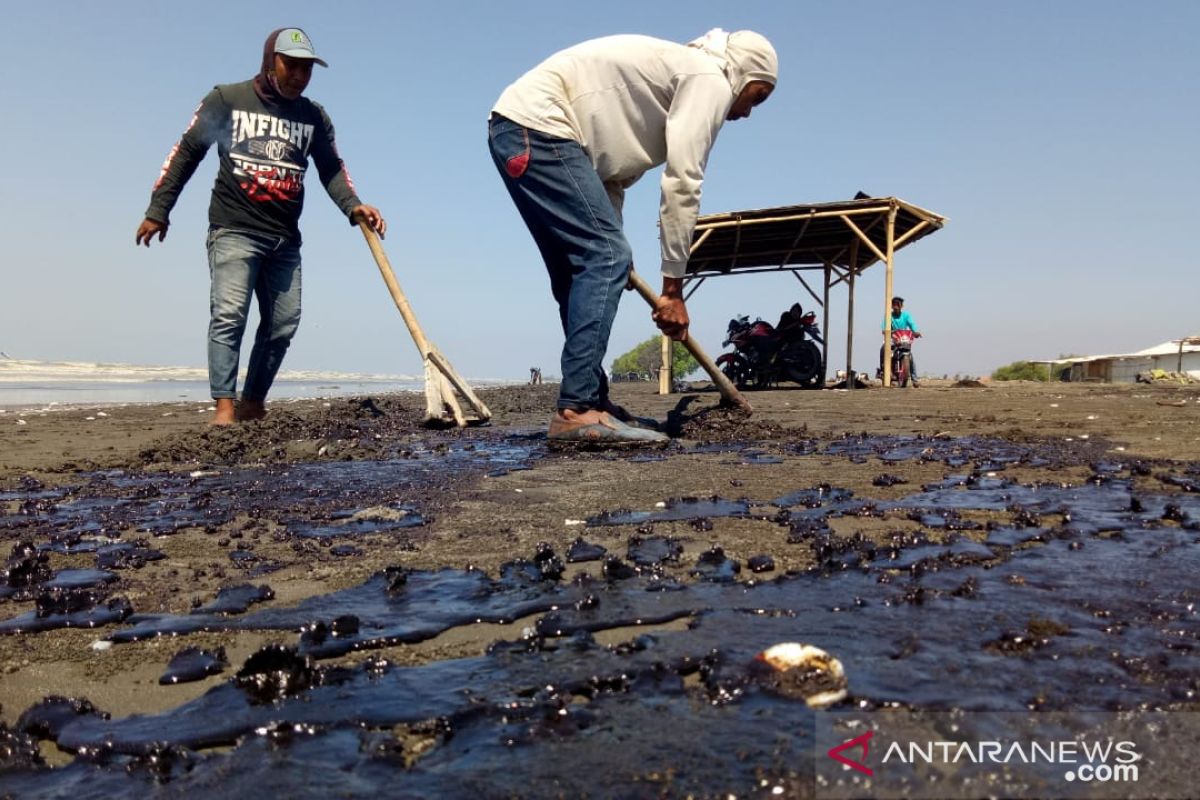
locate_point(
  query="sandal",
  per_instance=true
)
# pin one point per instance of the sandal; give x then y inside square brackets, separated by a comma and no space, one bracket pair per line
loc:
[622,415]
[606,432]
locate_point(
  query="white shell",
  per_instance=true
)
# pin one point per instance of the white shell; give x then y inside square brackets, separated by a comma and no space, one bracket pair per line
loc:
[794,655]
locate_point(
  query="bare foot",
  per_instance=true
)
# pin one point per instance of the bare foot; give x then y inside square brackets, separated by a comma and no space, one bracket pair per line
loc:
[249,410]
[225,412]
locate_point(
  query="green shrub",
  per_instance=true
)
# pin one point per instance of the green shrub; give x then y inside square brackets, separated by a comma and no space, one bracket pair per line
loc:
[1022,371]
[645,358]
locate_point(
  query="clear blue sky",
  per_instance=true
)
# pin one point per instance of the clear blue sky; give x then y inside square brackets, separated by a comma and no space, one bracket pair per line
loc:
[1060,138]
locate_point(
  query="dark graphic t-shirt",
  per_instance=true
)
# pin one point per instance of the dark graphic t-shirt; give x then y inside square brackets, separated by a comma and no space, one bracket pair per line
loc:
[264,152]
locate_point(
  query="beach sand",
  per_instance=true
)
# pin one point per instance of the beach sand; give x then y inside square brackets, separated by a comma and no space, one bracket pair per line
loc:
[482,514]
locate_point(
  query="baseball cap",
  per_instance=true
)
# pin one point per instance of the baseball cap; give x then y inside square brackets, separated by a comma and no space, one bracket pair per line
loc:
[295,43]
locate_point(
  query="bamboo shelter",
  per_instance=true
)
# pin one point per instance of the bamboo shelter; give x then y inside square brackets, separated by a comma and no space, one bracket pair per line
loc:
[837,240]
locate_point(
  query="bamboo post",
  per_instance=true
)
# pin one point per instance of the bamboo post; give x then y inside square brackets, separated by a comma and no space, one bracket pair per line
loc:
[665,378]
[887,297]
[851,378]
[728,391]
[825,326]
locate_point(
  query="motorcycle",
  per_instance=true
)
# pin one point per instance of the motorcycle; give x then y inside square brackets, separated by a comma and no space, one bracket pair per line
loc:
[902,342]
[765,355]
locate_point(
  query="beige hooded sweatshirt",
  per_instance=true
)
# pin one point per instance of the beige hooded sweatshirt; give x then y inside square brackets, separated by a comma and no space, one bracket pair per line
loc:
[634,102]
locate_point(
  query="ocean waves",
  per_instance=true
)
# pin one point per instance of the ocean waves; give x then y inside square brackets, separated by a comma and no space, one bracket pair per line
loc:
[54,372]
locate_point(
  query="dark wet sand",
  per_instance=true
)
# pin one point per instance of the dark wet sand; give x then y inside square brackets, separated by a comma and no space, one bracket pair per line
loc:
[483,520]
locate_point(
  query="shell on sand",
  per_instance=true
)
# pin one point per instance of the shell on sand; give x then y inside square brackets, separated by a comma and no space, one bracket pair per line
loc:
[803,671]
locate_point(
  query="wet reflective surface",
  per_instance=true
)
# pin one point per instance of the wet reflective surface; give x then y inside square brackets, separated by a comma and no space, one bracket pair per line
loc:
[348,495]
[193,664]
[981,593]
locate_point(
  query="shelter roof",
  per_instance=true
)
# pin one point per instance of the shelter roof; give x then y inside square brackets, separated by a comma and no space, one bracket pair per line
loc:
[805,236]
[1191,344]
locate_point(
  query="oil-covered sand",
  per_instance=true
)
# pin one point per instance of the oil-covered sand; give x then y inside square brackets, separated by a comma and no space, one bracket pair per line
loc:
[339,601]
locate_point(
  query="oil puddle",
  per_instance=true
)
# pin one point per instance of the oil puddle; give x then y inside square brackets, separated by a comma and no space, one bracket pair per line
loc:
[70,608]
[28,490]
[126,555]
[162,503]
[816,497]
[236,599]
[676,509]
[194,664]
[754,457]
[1031,630]
[319,501]
[1004,616]
[654,550]
[581,550]
[393,607]
[359,522]
[985,454]
[80,579]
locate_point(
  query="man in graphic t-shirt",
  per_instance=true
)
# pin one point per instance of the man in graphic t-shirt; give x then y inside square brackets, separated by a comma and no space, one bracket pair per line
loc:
[265,132]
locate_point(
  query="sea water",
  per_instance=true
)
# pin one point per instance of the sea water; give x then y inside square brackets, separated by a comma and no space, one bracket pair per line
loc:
[40,383]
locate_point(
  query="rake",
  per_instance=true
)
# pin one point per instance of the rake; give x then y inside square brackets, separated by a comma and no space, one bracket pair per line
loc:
[443,386]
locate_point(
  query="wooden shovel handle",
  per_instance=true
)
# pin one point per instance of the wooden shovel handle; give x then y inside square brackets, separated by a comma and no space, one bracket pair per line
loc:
[724,385]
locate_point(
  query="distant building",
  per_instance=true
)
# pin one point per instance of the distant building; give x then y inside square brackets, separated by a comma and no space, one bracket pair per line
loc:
[1176,355]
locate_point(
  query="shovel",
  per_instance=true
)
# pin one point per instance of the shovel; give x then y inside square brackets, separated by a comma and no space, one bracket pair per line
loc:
[442,406]
[729,393]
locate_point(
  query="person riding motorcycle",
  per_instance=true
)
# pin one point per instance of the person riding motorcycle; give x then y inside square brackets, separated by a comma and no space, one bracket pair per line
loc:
[901,320]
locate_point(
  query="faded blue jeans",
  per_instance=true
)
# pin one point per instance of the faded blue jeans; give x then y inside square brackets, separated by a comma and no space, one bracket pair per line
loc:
[566,208]
[241,263]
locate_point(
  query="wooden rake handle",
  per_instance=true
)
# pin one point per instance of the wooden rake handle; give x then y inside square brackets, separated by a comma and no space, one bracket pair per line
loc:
[440,378]
[389,277]
[728,391]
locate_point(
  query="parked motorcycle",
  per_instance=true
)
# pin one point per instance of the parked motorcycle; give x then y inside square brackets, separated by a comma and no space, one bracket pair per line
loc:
[765,355]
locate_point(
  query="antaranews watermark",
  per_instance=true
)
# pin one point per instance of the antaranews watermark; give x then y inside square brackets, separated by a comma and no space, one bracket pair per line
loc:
[970,754]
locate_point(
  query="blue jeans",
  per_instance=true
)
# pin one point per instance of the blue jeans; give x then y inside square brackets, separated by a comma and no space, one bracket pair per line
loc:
[241,263]
[563,202]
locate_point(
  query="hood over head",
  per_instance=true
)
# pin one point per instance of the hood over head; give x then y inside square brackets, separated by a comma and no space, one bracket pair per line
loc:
[264,82]
[290,42]
[744,55]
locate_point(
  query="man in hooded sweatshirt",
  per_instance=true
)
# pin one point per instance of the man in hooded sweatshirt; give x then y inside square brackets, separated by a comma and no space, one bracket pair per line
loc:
[265,131]
[569,137]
